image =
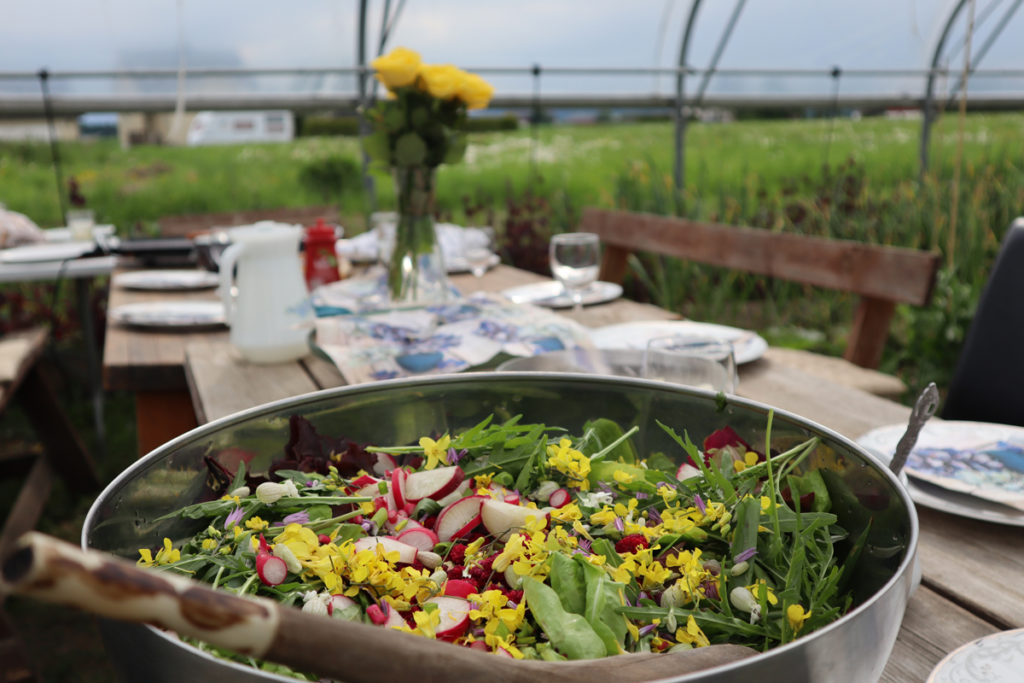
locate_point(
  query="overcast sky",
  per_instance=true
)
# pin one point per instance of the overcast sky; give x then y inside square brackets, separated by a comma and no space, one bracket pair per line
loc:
[817,34]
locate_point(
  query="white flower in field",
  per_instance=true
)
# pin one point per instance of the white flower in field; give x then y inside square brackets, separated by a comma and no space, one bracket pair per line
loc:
[270,492]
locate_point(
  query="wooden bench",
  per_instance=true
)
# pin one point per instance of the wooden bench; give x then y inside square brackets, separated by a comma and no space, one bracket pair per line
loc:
[62,454]
[188,225]
[881,275]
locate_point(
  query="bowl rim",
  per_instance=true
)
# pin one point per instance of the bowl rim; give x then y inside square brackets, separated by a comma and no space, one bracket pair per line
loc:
[902,573]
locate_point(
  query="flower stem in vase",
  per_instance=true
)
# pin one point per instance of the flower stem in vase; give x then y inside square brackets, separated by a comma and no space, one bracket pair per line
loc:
[416,271]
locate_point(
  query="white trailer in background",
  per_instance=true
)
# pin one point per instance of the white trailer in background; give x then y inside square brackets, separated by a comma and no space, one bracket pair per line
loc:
[231,127]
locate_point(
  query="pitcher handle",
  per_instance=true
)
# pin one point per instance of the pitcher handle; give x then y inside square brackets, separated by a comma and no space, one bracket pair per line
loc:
[227,270]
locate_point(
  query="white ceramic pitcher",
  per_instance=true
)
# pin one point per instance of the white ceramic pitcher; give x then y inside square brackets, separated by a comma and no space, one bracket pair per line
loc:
[268,308]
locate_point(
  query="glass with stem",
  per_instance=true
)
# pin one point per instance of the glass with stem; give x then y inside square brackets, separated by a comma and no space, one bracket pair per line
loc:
[575,261]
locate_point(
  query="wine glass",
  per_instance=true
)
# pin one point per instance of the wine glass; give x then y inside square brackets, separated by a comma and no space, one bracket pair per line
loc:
[701,362]
[575,260]
[478,251]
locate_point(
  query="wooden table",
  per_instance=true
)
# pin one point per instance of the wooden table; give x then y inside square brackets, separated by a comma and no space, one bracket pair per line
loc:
[969,587]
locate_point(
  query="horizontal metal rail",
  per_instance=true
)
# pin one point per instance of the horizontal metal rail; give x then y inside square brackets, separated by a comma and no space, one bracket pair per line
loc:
[73,105]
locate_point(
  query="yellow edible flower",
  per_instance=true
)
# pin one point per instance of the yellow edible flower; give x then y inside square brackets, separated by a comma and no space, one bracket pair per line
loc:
[209,544]
[567,513]
[436,452]
[398,68]
[692,634]
[570,462]
[166,555]
[256,524]
[796,616]
[756,588]
[622,477]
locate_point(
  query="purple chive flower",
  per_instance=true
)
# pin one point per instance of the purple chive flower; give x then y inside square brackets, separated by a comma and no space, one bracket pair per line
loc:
[640,495]
[710,589]
[369,527]
[653,517]
[745,555]
[619,524]
[511,604]
[584,546]
[699,502]
[300,517]
[234,518]
[455,456]
[644,630]
[604,487]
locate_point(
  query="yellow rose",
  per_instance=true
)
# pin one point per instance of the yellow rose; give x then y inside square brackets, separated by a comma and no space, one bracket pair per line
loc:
[474,91]
[440,80]
[397,68]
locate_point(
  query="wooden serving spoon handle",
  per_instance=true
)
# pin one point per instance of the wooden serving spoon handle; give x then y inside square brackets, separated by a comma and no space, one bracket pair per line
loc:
[48,569]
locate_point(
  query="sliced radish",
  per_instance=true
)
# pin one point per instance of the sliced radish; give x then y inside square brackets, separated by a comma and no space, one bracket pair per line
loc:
[459,492]
[460,588]
[340,602]
[459,518]
[502,519]
[454,616]
[423,539]
[502,651]
[435,484]
[385,463]
[394,619]
[686,471]
[369,490]
[479,645]
[271,570]
[406,552]
[560,498]
[398,476]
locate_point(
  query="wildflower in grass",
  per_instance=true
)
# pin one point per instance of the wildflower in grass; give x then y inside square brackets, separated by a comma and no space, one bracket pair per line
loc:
[436,452]
[166,555]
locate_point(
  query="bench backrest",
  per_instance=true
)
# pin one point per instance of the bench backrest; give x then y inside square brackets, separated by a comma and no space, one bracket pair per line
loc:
[187,225]
[881,275]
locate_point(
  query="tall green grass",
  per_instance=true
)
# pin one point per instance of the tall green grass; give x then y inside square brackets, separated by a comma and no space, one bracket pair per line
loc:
[842,178]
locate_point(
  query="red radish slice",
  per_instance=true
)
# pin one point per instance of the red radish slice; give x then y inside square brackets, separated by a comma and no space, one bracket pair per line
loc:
[271,570]
[370,491]
[459,492]
[395,619]
[559,498]
[385,463]
[459,518]
[435,484]
[398,476]
[340,602]
[686,471]
[454,616]
[377,615]
[503,519]
[363,480]
[422,539]
[459,588]
[406,552]
[479,645]
[503,651]
[512,498]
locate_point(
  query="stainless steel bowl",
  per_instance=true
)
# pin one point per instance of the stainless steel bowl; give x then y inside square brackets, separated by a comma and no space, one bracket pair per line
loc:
[854,648]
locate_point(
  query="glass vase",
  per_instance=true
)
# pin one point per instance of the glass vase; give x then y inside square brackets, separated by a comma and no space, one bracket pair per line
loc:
[416,270]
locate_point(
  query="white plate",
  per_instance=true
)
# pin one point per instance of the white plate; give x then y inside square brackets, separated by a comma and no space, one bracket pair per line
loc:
[995,658]
[459,265]
[747,346]
[49,251]
[550,293]
[170,314]
[962,436]
[167,280]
